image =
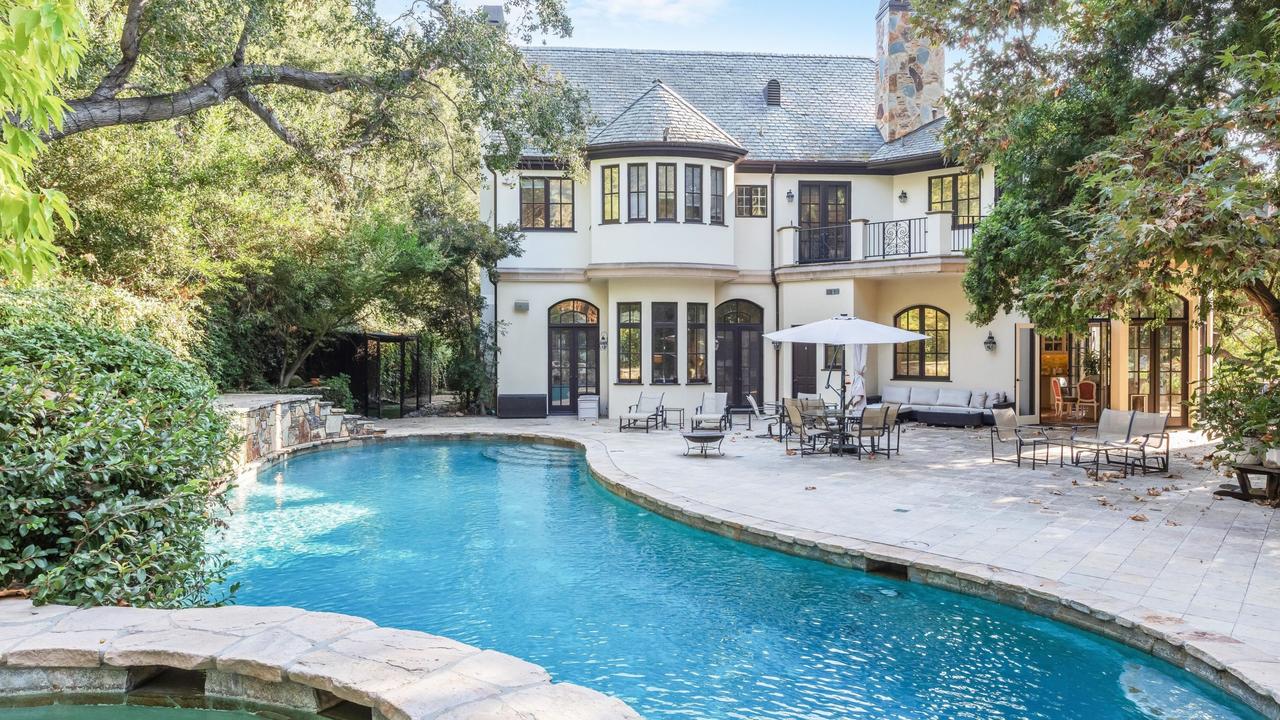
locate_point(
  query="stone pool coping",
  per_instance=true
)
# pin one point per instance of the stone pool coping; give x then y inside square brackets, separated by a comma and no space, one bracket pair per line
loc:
[274,657]
[1247,673]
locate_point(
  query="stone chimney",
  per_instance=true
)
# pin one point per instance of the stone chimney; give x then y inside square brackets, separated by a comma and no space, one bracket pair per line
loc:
[909,73]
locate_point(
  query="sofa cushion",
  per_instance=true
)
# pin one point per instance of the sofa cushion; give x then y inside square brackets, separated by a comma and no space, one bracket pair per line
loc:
[993,397]
[951,397]
[924,396]
[895,393]
[978,399]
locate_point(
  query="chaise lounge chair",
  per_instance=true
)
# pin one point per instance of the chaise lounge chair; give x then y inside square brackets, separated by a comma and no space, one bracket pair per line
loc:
[714,410]
[646,413]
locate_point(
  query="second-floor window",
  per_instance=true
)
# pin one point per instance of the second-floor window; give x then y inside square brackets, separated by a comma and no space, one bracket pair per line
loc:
[751,201]
[638,192]
[629,342]
[666,192]
[717,195]
[958,194]
[610,194]
[665,343]
[546,203]
[697,343]
[693,193]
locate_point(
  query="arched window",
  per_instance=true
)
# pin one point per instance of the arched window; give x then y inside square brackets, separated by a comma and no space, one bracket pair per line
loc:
[924,359]
[573,312]
[739,312]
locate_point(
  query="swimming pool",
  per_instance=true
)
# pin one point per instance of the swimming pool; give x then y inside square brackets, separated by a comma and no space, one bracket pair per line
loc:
[513,547]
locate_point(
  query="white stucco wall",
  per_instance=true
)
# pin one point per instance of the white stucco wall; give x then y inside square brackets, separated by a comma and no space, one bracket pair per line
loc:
[522,364]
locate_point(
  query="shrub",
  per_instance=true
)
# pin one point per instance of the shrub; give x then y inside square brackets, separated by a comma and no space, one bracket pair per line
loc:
[336,389]
[1241,406]
[112,458]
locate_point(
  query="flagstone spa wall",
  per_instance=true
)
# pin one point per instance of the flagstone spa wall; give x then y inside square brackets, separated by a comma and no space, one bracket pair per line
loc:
[276,424]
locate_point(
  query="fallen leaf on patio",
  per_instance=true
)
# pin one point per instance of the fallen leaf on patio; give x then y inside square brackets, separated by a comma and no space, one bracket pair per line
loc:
[1059,492]
[1172,523]
[791,452]
[1174,476]
[1033,501]
[1155,492]
[1138,518]
[1139,498]
[810,487]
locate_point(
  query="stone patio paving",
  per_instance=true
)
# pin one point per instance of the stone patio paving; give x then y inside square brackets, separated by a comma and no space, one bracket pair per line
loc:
[1163,540]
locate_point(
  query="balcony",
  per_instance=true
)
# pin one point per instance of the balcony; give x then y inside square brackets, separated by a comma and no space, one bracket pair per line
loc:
[824,244]
[938,234]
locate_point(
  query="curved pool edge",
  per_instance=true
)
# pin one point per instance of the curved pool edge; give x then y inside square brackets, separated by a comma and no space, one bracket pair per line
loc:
[1242,671]
[277,657]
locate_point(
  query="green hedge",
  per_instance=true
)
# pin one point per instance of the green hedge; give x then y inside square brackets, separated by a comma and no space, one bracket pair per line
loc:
[112,459]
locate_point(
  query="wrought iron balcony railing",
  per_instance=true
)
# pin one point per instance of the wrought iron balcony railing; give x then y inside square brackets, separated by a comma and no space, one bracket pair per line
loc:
[962,227]
[824,244]
[894,238]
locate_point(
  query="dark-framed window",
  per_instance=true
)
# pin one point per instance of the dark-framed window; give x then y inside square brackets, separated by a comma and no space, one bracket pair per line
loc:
[610,195]
[923,359]
[638,191]
[546,203]
[960,195]
[665,343]
[717,195]
[693,193]
[832,357]
[666,192]
[751,201]
[629,342]
[696,349]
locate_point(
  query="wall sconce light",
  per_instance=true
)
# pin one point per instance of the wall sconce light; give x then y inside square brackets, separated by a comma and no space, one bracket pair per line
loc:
[990,342]
[604,341]
[791,196]
[776,345]
[902,197]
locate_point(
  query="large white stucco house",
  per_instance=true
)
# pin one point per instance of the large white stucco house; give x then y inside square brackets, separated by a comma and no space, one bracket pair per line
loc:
[732,194]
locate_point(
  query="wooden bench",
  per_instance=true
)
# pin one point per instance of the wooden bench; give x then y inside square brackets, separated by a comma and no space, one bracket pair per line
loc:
[1247,492]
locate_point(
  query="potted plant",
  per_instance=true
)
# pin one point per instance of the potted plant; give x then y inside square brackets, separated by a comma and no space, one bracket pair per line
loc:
[1241,408]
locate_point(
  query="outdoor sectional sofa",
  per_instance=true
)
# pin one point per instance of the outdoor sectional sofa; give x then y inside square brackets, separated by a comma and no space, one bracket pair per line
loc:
[953,407]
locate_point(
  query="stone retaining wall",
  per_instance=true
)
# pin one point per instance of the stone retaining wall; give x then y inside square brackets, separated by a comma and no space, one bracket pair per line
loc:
[294,662]
[275,425]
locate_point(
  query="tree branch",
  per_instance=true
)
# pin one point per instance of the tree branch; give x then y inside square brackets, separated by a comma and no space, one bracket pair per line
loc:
[129,45]
[268,116]
[218,87]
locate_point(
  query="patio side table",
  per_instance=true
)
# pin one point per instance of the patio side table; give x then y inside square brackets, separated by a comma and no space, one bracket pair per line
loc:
[740,411]
[1247,491]
[666,416]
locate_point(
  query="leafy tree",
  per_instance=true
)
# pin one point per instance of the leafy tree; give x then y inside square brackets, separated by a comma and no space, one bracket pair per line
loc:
[41,42]
[1134,142]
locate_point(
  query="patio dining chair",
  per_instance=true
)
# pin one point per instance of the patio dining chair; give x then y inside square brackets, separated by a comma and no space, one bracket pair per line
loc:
[1007,431]
[807,438]
[871,430]
[1111,435]
[770,420]
[714,410]
[892,444]
[1062,404]
[646,413]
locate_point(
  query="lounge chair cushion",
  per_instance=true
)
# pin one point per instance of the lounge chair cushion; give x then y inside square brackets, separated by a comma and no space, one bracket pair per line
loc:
[949,397]
[978,400]
[636,415]
[896,393]
[924,396]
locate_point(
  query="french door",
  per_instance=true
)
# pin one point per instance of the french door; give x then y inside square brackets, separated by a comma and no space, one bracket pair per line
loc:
[740,351]
[573,363]
[1158,370]
[804,368]
[824,222]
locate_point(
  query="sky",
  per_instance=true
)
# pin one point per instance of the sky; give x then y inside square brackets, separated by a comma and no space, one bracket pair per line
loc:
[844,27]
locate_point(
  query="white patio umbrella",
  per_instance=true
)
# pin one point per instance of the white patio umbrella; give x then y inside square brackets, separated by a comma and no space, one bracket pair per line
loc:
[847,330]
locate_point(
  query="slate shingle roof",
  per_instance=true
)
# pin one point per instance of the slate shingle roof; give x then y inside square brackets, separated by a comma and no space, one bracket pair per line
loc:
[828,101]
[661,115]
[921,142]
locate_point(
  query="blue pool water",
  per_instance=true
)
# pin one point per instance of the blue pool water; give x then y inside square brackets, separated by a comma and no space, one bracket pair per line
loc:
[514,547]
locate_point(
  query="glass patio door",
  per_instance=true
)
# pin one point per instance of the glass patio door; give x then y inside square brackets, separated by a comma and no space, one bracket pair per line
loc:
[573,363]
[1158,366]
[740,351]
